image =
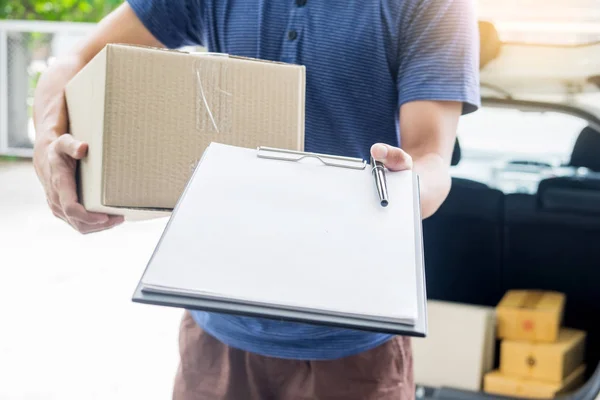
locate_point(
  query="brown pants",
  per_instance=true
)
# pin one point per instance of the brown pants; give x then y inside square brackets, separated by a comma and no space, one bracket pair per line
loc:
[210,370]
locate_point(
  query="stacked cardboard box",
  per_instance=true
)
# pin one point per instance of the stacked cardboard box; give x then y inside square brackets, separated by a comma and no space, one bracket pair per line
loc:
[539,358]
[459,348]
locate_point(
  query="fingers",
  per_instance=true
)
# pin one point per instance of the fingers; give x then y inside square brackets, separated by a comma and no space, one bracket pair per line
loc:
[68,145]
[62,191]
[56,210]
[74,213]
[84,228]
[67,196]
[80,225]
[394,158]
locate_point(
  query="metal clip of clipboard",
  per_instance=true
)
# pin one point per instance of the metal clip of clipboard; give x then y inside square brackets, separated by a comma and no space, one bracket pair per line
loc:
[326,159]
[333,161]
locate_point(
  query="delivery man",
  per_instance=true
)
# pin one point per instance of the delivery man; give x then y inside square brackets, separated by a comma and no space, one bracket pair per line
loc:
[384,77]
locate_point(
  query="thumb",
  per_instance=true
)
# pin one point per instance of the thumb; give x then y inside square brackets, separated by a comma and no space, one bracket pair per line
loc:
[394,158]
[67,144]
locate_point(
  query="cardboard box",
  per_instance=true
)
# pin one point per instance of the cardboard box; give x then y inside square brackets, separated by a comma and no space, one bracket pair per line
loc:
[549,362]
[148,115]
[530,315]
[459,348]
[497,383]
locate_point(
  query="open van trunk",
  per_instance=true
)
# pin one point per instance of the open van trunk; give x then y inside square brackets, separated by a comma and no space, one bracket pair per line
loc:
[483,242]
[541,77]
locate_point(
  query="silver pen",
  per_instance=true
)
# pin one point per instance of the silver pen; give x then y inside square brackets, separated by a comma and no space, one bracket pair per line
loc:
[378,171]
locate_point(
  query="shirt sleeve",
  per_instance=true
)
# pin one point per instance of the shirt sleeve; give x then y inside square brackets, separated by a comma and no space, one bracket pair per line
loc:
[175,23]
[439,53]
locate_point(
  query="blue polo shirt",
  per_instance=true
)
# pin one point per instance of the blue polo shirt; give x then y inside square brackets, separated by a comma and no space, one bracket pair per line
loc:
[363,59]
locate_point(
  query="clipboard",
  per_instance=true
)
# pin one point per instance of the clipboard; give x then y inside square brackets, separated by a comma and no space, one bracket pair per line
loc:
[163,295]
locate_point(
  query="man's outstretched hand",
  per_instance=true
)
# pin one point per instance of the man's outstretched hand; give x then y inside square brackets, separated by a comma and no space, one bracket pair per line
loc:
[394,158]
[55,165]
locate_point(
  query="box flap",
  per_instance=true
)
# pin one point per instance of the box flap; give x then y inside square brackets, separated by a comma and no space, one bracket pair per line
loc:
[533,300]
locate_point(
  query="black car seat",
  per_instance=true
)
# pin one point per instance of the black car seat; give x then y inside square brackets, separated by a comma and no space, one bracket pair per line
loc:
[586,151]
[553,243]
[463,244]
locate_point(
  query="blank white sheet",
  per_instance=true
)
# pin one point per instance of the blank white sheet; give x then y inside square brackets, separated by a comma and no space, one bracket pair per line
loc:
[292,235]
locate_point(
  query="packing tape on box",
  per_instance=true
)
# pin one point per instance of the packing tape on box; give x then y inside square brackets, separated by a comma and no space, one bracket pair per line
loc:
[214,96]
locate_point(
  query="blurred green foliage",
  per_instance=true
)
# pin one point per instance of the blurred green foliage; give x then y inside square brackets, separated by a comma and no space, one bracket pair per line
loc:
[57,10]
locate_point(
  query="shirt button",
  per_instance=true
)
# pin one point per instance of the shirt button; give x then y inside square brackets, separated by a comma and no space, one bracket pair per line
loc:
[292,35]
[300,3]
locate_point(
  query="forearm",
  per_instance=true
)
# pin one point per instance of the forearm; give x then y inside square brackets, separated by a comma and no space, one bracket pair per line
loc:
[49,110]
[434,181]
[428,135]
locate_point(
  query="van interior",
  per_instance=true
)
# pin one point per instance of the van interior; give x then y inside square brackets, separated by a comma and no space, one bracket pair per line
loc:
[485,241]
